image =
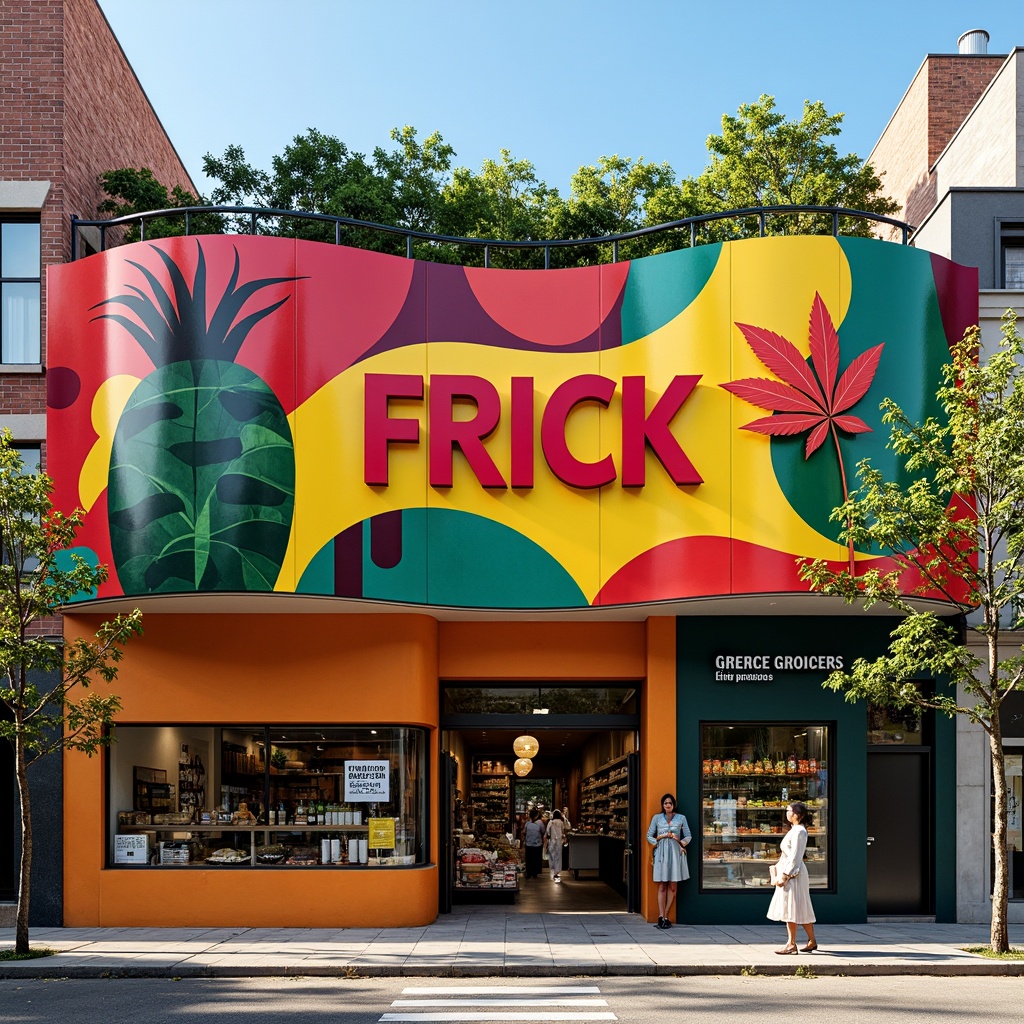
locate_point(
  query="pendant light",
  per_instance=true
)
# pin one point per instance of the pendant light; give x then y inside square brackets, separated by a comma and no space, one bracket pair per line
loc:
[523,766]
[526,746]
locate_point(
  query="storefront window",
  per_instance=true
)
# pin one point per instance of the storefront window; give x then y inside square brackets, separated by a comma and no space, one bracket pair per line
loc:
[749,774]
[268,796]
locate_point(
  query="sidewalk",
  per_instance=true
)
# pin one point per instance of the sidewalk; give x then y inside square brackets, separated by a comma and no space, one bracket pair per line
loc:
[482,942]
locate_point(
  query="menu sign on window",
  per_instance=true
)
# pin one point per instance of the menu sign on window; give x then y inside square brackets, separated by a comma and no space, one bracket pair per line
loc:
[367,781]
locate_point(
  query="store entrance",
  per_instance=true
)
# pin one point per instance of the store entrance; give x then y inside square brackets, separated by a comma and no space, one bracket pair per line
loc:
[513,772]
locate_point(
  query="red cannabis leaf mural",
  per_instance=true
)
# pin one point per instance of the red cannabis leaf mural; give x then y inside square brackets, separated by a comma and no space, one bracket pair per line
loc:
[808,400]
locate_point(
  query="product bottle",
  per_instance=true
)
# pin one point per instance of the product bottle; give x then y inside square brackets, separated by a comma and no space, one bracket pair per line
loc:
[785,794]
[300,813]
[320,816]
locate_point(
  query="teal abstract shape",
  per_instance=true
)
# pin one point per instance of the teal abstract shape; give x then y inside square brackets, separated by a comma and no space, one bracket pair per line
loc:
[660,287]
[893,301]
[64,562]
[468,561]
[318,576]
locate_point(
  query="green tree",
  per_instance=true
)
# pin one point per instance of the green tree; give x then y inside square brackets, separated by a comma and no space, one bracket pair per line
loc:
[315,173]
[763,159]
[612,197]
[416,174]
[46,688]
[136,190]
[505,201]
[956,527]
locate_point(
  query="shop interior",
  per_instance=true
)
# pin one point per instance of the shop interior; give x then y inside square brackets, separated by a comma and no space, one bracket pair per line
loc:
[267,796]
[500,775]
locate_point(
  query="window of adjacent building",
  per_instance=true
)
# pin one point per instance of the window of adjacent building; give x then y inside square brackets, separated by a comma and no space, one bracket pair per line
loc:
[267,796]
[30,459]
[750,772]
[20,277]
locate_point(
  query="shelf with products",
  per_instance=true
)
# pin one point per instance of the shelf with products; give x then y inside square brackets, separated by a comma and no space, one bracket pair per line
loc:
[490,797]
[750,774]
[491,864]
[191,783]
[603,807]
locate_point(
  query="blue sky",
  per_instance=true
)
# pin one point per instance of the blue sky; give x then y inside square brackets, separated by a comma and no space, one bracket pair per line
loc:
[559,83]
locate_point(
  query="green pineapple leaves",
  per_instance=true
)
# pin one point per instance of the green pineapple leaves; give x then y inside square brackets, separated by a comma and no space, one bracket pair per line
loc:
[173,330]
[201,488]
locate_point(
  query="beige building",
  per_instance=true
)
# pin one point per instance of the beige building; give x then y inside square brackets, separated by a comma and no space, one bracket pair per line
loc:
[953,156]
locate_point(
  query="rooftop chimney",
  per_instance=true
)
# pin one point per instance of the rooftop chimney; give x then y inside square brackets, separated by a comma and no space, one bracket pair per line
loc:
[974,40]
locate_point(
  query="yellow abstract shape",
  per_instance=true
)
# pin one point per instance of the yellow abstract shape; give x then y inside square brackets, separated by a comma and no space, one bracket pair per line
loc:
[591,533]
[107,406]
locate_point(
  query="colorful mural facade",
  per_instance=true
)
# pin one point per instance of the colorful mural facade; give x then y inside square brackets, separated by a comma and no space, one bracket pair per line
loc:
[265,414]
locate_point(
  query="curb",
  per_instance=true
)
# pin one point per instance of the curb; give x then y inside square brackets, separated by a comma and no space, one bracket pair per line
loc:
[52,971]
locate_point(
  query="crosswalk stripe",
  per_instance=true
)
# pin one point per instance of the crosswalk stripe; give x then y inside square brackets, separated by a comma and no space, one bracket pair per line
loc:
[495,1016]
[567,1001]
[482,990]
[473,1003]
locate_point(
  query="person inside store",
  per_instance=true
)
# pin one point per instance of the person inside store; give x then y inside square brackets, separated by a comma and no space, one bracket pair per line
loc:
[533,843]
[565,819]
[791,901]
[555,839]
[669,835]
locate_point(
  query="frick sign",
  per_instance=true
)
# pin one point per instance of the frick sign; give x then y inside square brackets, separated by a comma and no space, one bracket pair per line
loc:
[640,428]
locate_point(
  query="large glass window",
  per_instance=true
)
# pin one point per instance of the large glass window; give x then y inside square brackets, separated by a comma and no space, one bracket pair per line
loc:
[20,277]
[268,796]
[750,772]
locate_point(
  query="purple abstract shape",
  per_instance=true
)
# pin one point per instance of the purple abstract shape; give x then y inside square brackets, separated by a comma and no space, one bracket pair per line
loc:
[386,539]
[63,386]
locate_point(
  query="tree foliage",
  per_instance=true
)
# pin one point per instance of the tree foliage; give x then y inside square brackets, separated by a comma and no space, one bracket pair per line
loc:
[955,528]
[132,190]
[760,158]
[763,159]
[46,688]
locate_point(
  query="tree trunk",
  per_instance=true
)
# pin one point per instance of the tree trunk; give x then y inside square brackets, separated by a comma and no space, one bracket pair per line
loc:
[1000,882]
[25,876]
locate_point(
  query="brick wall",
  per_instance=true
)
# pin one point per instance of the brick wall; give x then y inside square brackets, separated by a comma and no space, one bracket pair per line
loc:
[71,108]
[108,120]
[942,94]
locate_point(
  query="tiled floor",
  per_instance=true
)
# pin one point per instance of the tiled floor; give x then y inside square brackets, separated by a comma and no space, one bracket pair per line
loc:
[542,896]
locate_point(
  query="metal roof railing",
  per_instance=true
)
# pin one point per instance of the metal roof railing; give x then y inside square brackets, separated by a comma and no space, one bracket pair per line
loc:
[255,216]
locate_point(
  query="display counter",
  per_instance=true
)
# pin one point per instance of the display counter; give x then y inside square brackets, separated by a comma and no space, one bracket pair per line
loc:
[220,845]
[591,851]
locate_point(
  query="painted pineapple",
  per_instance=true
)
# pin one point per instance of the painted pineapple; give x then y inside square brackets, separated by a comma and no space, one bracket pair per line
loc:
[202,470]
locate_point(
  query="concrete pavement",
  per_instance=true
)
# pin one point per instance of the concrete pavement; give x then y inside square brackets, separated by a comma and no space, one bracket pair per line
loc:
[489,941]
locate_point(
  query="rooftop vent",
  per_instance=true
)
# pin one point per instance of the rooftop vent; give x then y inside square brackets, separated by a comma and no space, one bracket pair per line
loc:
[975,40]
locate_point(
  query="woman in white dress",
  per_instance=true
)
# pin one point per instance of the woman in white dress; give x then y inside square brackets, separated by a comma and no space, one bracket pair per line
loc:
[555,839]
[669,835]
[791,901]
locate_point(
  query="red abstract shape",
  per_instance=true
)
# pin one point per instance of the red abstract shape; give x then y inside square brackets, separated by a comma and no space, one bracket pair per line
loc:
[691,567]
[549,307]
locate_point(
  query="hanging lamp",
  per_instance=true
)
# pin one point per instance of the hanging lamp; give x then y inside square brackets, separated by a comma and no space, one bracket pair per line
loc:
[523,766]
[526,746]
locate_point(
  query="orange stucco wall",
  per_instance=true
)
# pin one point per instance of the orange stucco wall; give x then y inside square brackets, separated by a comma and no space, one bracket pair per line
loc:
[370,669]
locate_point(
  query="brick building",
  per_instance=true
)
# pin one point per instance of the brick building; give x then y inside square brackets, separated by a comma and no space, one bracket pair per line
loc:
[71,108]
